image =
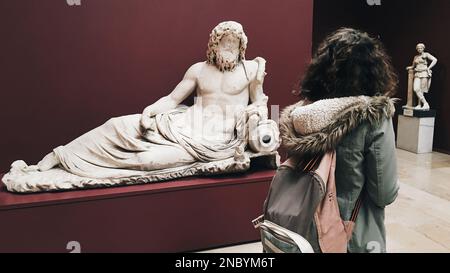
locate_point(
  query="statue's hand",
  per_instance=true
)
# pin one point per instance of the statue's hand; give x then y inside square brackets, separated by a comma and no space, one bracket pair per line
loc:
[257,110]
[148,123]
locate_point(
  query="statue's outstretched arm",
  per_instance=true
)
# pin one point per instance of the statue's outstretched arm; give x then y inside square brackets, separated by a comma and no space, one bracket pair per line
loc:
[169,102]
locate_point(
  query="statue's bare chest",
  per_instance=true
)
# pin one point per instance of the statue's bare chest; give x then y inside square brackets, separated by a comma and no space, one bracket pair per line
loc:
[212,80]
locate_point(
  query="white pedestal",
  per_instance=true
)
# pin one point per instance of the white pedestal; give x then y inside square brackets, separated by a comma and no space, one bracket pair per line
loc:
[415,134]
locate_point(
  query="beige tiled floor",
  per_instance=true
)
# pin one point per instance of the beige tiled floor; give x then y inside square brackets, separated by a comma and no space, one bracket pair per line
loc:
[419,220]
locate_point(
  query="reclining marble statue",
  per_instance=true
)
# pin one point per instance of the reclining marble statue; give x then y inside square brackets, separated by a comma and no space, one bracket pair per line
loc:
[221,132]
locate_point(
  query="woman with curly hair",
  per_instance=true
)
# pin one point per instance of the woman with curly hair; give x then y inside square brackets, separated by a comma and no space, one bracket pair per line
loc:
[345,106]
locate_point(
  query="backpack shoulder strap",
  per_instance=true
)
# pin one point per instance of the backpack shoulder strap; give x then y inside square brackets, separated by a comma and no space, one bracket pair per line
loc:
[356,209]
[303,164]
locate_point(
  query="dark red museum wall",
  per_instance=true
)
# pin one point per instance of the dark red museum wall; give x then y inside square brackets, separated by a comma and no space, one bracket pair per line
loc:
[400,24]
[67,69]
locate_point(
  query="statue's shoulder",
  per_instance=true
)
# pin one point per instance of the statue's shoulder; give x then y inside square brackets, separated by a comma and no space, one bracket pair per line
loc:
[252,66]
[256,63]
[195,69]
[197,66]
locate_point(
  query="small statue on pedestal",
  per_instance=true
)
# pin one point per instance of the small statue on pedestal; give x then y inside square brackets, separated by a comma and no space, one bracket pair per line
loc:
[419,78]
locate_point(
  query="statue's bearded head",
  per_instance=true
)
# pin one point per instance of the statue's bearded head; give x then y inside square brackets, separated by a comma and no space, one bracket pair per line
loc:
[226,46]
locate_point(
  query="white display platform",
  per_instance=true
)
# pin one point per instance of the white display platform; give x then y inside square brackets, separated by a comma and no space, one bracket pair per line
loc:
[415,131]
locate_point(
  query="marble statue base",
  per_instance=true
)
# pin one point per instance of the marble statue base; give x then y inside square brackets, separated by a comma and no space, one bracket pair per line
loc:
[411,112]
[416,130]
[187,214]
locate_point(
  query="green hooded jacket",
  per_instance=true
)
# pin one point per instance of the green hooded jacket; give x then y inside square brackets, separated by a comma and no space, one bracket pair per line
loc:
[360,129]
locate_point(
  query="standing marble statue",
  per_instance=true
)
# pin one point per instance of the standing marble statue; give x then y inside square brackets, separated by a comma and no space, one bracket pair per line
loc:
[420,77]
[226,127]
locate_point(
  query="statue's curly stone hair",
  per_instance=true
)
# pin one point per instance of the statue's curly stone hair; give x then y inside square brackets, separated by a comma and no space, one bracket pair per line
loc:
[222,29]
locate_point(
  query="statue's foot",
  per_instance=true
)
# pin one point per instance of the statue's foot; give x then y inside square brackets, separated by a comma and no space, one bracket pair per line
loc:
[18,165]
[21,166]
[426,107]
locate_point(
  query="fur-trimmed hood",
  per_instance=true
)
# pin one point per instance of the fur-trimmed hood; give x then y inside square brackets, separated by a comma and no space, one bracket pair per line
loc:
[319,127]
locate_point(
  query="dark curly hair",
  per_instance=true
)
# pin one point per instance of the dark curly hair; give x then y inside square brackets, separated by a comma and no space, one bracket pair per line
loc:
[349,63]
